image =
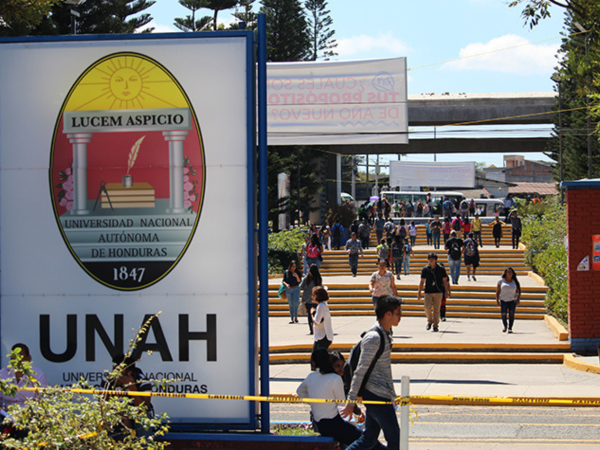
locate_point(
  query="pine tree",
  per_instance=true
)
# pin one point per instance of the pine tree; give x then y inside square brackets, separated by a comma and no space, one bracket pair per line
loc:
[319,33]
[574,79]
[245,14]
[96,17]
[287,32]
[220,5]
[190,23]
[287,40]
[111,16]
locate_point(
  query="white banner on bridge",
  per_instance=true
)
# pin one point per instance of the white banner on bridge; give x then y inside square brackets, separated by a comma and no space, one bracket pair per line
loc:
[432,174]
[347,102]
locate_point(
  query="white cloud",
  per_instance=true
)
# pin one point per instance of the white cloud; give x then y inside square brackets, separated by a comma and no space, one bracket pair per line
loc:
[160,28]
[508,54]
[384,45]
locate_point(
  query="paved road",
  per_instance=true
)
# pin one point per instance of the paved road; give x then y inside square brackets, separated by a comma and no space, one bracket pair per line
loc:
[489,428]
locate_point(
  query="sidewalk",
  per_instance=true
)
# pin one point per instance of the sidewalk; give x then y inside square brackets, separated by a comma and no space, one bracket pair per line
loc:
[490,380]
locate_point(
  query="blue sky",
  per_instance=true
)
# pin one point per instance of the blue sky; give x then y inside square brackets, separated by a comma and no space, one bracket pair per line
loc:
[437,36]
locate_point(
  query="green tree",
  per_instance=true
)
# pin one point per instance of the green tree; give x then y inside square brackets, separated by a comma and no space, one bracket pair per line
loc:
[291,160]
[244,14]
[536,10]
[220,5]
[319,32]
[114,16]
[287,40]
[24,13]
[96,17]
[574,78]
[577,82]
[287,31]
[190,23]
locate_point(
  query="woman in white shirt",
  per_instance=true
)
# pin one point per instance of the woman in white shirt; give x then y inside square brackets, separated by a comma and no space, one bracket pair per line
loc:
[321,319]
[325,383]
[508,296]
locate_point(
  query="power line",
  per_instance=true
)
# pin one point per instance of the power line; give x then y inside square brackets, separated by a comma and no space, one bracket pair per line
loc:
[497,50]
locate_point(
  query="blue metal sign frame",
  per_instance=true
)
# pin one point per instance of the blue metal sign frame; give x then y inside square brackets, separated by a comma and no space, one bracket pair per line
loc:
[251,44]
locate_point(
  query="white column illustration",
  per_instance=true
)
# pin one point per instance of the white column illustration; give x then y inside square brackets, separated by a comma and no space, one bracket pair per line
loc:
[80,141]
[175,140]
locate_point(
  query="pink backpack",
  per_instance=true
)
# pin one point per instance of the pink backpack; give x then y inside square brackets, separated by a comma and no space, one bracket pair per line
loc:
[313,251]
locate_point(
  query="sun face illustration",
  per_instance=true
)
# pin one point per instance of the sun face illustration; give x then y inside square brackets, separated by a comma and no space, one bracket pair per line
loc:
[125,84]
[125,81]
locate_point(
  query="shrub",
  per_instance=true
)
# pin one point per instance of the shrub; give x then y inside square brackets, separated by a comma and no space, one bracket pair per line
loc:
[62,419]
[283,248]
[544,231]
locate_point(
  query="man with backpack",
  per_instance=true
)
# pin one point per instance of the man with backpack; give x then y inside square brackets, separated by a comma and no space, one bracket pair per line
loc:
[372,377]
[448,208]
[454,245]
[389,228]
[336,232]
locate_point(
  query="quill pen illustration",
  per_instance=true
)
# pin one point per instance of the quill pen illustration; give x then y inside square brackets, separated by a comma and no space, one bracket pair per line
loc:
[133,154]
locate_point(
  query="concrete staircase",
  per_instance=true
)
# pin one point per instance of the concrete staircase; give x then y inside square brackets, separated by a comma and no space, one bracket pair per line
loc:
[426,353]
[486,235]
[469,301]
[493,261]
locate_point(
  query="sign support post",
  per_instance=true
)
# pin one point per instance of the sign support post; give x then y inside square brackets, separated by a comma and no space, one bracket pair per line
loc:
[263,219]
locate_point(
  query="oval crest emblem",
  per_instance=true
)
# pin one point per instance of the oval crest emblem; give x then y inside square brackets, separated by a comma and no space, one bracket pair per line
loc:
[127,171]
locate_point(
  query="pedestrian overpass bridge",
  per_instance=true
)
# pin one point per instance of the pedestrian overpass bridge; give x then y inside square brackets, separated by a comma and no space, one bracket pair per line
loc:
[495,123]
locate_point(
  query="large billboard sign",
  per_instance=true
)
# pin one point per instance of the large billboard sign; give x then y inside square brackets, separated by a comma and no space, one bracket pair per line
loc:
[126,175]
[339,102]
[432,174]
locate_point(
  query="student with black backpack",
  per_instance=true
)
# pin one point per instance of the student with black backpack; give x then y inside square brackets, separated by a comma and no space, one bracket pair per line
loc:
[454,245]
[471,256]
[372,378]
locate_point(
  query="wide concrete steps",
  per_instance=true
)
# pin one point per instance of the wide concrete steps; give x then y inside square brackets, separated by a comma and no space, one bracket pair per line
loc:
[441,353]
[466,302]
[492,261]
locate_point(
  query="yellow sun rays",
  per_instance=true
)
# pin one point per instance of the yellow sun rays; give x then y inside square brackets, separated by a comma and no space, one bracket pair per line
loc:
[125,81]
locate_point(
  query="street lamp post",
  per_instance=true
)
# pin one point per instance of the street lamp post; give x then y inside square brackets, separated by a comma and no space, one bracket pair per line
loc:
[74,14]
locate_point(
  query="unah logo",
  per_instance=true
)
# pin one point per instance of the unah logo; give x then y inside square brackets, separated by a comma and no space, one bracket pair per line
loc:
[127,171]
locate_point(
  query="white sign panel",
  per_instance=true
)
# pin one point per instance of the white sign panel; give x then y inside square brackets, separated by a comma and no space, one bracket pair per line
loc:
[123,189]
[432,174]
[347,102]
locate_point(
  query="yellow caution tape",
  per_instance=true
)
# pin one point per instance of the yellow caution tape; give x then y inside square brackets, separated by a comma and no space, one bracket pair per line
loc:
[502,401]
[252,398]
[402,401]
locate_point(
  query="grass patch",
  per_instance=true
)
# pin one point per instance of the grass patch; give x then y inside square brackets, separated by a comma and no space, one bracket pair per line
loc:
[294,429]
